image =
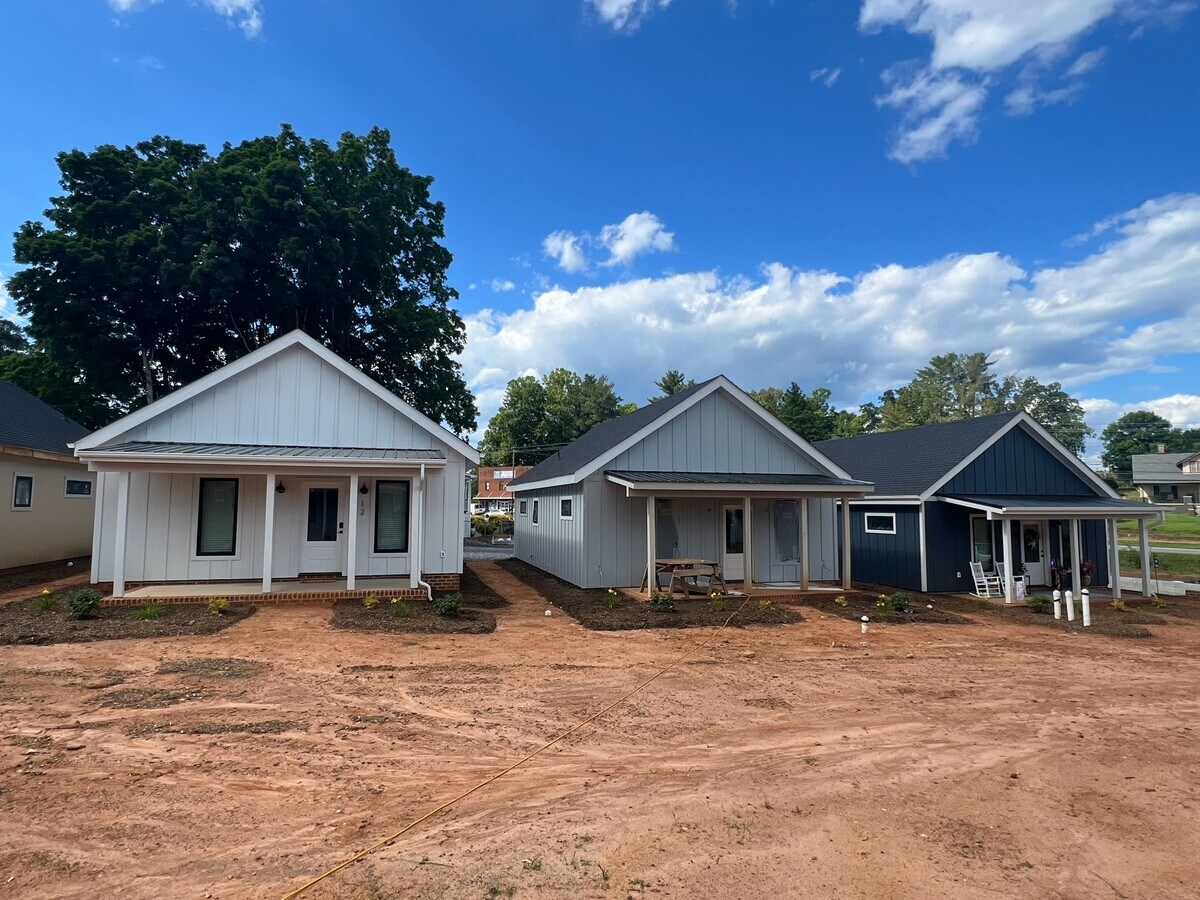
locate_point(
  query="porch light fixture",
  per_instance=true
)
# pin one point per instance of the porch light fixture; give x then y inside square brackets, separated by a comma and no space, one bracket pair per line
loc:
[279,488]
[363,489]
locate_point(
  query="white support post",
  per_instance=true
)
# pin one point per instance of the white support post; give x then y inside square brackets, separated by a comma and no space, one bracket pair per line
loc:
[97,526]
[1114,559]
[804,543]
[415,527]
[1009,569]
[352,532]
[268,554]
[1076,559]
[651,550]
[1144,546]
[747,542]
[119,542]
[846,539]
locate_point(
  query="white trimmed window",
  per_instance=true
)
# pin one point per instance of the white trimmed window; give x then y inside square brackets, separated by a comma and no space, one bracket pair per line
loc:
[879,523]
[22,492]
[535,512]
[78,487]
[391,516]
[216,526]
[566,507]
[524,507]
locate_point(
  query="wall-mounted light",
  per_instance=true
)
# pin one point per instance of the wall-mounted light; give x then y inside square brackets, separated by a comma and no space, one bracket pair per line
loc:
[279,488]
[363,489]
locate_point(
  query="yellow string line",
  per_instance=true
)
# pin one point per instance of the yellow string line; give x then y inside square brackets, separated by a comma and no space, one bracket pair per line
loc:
[578,725]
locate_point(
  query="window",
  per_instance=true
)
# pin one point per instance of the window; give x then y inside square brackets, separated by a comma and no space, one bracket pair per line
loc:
[77,487]
[391,516]
[982,548]
[22,495]
[524,507]
[786,527]
[322,515]
[564,507]
[879,523]
[535,512]
[216,529]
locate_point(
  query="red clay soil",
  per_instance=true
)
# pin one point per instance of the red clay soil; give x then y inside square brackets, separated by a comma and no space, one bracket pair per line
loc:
[802,760]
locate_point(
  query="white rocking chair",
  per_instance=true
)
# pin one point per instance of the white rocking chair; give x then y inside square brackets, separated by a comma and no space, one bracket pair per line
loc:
[1002,571]
[987,584]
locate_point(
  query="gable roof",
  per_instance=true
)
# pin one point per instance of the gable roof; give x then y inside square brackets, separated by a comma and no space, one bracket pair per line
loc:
[916,462]
[27,422]
[292,339]
[591,451]
[1165,468]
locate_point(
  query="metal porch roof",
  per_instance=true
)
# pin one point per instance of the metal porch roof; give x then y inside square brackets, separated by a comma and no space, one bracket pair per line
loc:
[1068,507]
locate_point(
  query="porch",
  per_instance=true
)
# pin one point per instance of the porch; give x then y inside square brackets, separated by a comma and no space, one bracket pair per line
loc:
[282,591]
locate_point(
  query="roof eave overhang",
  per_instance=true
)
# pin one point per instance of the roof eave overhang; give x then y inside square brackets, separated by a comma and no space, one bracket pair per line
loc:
[115,462]
[1140,511]
[658,488]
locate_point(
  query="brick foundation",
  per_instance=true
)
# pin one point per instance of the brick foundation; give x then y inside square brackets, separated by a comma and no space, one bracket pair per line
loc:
[448,581]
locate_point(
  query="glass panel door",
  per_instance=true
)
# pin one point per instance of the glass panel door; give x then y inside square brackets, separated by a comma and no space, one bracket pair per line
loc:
[322,514]
[981,539]
[732,542]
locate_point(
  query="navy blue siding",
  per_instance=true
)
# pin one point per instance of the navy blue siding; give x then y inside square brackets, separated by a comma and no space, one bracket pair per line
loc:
[948,547]
[1018,464]
[888,559]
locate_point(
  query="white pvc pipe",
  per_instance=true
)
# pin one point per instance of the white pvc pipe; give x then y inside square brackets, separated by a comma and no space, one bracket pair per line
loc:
[1085,600]
[865,624]
[1058,604]
[1070,601]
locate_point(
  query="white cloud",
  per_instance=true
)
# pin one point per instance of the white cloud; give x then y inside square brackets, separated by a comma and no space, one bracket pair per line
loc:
[1181,410]
[638,233]
[502,285]
[860,333]
[826,76]
[625,15]
[150,62]
[566,249]
[974,42]
[245,15]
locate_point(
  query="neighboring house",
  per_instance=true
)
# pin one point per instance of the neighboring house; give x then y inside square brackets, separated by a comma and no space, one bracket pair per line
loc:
[286,462]
[978,490]
[47,513]
[707,474]
[491,489]
[1167,477]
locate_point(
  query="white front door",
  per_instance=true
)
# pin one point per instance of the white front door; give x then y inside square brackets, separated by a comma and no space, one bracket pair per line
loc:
[1033,552]
[323,527]
[733,535]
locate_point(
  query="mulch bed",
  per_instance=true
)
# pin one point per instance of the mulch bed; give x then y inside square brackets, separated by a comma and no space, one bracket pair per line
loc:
[24,622]
[271,726]
[591,609]
[38,575]
[864,604]
[214,667]
[475,593]
[421,619]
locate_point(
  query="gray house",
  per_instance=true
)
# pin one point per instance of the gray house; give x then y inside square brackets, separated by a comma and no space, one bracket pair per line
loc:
[706,474]
[983,491]
[1167,477]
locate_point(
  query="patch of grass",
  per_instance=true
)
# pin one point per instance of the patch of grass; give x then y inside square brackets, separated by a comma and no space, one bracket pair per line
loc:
[741,829]
[810,760]
[1176,525]
[46,601]
[400,609]
[150,611]
[1168,563]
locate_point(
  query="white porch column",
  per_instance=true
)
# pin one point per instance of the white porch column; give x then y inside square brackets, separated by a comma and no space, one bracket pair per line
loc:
[747,544]
[651,549]
[846,537]
[1114,558]
[122,523]
[804,543]
[1076,560]
[416,526]
[1009,568]
[1144,546]
[352,532]
[268,554]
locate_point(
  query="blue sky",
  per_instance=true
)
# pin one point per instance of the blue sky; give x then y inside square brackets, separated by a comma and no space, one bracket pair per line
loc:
[821,192]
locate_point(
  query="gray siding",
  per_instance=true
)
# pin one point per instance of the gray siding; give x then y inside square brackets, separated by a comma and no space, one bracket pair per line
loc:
[888,559]
[555,544]
[1019,464]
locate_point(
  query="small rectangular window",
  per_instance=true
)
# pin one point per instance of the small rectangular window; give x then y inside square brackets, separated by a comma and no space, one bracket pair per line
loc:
[564,508]
[78,487]
[535,512]
[879,523]
[391,516]
[524,507]
[22,495]
[216,530]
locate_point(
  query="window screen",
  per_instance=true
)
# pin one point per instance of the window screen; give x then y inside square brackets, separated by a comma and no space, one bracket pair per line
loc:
[216,532]
[391,516]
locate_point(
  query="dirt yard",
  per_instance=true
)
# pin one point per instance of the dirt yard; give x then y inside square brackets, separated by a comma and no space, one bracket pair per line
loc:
[1002,759]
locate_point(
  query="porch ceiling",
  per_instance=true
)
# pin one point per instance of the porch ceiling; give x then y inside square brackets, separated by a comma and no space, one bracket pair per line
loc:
[1031,506]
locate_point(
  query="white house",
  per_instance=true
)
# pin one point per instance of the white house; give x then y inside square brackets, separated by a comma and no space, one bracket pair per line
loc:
[288,463]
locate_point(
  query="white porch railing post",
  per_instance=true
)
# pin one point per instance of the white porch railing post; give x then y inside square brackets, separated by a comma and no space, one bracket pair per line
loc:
[268,554]
[846,538]
[352,532]
[1076,559]
[122,527]
[747,544]
[804,543]
[651,549]
[1144,546]
[1114,559]
[1010,568]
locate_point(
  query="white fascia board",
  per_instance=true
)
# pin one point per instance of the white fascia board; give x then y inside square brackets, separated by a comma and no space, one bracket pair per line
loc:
[661,487]
[1081,512]
[560,481]
[885,500]
[202,384]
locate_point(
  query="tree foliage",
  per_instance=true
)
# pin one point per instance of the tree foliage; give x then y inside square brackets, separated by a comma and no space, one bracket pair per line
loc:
[809,415]
[539,415]
[672,383]
[1141,431]
[162,262]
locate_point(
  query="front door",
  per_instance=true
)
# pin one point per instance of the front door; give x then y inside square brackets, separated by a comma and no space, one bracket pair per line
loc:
[1033,552]
[324,525]
[732,543]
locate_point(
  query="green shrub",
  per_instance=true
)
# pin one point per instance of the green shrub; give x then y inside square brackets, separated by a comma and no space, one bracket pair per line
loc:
[1119,605]
[448,604]
[370,602]
[218,606]
[611,598]
[662,602]
[717,602]
[83,602]
[400,609]
[765,605]
[46,601]
[841,600]
[899,602]
[1158,602]
[149,611]
[1039,603]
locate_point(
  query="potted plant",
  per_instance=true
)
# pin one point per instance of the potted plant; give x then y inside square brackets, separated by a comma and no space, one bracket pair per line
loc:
[1086,571]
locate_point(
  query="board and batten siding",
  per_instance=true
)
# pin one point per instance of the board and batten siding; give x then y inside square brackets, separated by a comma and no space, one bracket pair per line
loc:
[1019,464]
[888,559]
[555,544]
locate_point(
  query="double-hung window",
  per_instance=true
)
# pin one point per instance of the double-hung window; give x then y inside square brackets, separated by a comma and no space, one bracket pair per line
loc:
[216,528]
[391,516]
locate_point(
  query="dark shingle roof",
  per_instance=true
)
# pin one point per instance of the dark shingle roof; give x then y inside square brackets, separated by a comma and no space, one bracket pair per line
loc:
[911,460]
[25,421]
[1161,468]
[603,438]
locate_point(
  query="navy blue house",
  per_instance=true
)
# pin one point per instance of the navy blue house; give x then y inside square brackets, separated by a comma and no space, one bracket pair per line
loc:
[979,490]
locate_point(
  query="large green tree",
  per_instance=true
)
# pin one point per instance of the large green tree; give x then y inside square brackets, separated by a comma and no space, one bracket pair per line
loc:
[672,383]
[810,415]
[539,416]
[12,338]
[1140,431]
[161,262]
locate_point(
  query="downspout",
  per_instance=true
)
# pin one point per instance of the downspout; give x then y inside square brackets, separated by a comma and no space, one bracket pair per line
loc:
[421,539]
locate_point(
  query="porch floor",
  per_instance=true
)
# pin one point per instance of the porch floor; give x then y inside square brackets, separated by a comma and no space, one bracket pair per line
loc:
[781,592]
[325,590]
